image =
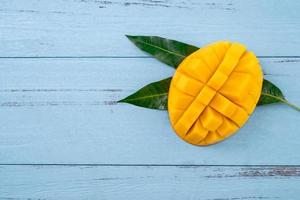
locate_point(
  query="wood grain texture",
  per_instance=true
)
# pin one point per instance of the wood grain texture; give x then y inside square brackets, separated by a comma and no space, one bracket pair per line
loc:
[64,111]
[97,28]
[65,63]
[149,182]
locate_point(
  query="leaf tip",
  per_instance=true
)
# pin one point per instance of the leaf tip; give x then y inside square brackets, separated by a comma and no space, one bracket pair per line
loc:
[129,36]
[125,100]
[121,101]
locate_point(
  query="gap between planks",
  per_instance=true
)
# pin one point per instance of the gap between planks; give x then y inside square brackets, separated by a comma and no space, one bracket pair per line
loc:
[115,57]
[138,165]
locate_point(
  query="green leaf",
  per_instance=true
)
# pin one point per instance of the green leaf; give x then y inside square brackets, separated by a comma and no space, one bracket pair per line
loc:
[154,95]
[170,52]
[272,94]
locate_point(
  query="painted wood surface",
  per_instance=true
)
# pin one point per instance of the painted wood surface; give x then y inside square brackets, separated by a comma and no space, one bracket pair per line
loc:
[64,111]
[65,63]
[97,27]
[149,182]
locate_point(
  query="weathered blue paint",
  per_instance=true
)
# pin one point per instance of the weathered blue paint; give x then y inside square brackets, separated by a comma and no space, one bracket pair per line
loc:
[63,66]
[149,182]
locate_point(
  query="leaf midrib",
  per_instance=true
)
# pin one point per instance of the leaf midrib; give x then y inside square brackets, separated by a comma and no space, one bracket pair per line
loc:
[275,97]
[150,96]
[282,100]
[170,52]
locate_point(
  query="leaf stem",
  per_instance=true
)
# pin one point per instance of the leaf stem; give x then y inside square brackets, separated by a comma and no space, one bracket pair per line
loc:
[283,101]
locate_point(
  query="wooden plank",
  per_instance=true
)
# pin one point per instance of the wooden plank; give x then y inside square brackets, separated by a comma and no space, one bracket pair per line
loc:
[149,182]
[97,28]
[64,111]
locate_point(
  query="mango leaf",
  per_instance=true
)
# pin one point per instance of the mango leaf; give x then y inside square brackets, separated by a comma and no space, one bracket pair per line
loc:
[272,94]
[170,52]
[154,95]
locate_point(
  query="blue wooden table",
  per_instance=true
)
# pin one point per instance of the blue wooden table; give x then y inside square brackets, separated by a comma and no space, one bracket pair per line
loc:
[65,63]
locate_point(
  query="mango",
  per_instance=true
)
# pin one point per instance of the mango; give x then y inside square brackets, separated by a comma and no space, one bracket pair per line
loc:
[213,92]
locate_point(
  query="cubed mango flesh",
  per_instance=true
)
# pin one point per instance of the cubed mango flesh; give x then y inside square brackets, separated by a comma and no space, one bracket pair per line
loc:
[213,92]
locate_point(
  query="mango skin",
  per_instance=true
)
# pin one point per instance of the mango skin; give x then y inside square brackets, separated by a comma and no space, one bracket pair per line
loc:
[213,92]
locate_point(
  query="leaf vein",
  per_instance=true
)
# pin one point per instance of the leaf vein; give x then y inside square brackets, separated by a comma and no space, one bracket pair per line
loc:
[146,97]
[170,52]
